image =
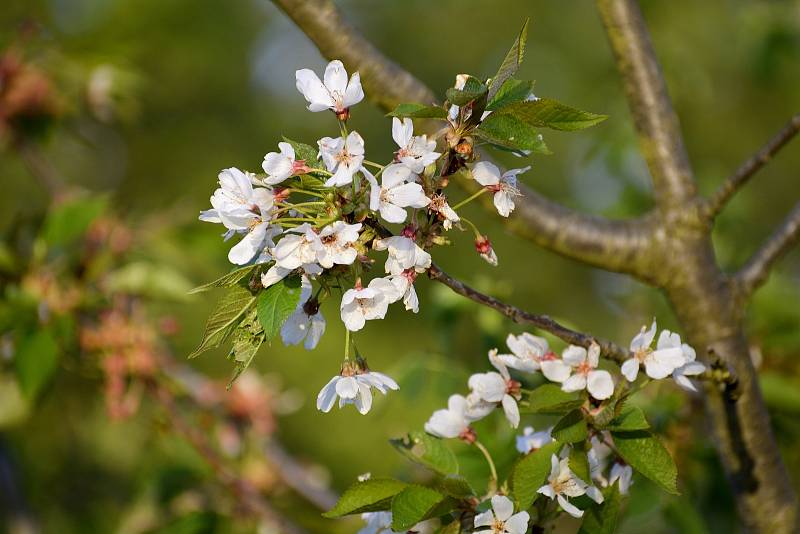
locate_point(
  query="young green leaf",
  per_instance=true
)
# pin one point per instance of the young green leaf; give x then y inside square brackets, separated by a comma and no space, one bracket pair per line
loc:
[511,62]
[230,279]
[428,451]
[629,419]
[247,339]
[645,453]
[473,90]
[306,153]
[412,505]
[530,473]
[35,362]
[225,318]
[276,304]
[550,399]
[548,113]
[511,91]
[579,463]
[418,111]
[454,486]
[603,518]
[571,428]
[367,496]
[509,132]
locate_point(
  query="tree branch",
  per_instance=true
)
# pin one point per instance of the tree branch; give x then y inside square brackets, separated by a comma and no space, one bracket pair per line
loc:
[609,349]
[737,180]
[757,269]
[654,118]
[386,83]
[607,244]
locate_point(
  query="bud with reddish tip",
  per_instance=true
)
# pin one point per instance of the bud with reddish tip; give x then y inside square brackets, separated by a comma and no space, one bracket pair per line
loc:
[409,231]
[343,115]
[484,248]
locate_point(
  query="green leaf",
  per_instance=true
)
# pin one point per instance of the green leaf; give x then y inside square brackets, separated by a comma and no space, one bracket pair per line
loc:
[530,473]
[370,495]
[70,220]
[645,453]
[550,399]
[225,318]
[473,90]
[571,428]
[427,450]
[35,362]
[509,132]
[630,418]
[511,91]
[511,62]
[454,486]
[603,518]
[418,111]
[548,113]
[228,280]
[306,153]
[579,463]
[248,338]
[412,505]
[276,304]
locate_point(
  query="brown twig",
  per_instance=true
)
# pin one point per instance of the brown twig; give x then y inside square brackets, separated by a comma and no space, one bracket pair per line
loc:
[756,162]
[756,271]
[543,322]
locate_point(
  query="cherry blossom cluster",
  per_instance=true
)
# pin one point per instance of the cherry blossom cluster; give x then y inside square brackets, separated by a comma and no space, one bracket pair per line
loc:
[576,370]
[320,213]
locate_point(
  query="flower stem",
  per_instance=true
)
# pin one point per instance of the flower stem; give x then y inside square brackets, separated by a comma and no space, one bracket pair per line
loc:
[472,225]
[373,164]
[346,343]
[470,198]
[493,481]
[306,192]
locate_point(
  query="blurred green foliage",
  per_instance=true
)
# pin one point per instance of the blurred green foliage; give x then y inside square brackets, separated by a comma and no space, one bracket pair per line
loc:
[202,85]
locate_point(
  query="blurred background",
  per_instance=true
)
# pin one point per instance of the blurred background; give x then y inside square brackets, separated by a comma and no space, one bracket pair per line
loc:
[117,115]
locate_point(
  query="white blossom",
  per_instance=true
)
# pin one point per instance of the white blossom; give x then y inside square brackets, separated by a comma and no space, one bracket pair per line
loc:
[562,484]
[532,353]
[500,519]
[416,153]
[531,440]
[342,156]
[442,209]
[300,246]
[498,387]
[361,304]
[353,386]
[598,456]
[659,363]
[242,209]
[377,523]
[453,421]
[395,193]
[691,367]
[281,165]
[404,282]
[303,326]
[504,186]
[338,244]
[585,374]
[622,474]
[336,93]
[404,254]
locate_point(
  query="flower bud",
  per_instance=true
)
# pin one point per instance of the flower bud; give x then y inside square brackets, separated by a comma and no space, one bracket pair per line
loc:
[343,115]
[484,248]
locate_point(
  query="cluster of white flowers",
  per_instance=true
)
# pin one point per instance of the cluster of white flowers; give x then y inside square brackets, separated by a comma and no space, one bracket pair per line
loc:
[321,219]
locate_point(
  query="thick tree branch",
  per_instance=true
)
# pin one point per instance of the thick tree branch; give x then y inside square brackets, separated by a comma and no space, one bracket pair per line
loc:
[755,272]
[737,180]
[654,118]
[600,242]
[386,83]
[608,348]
